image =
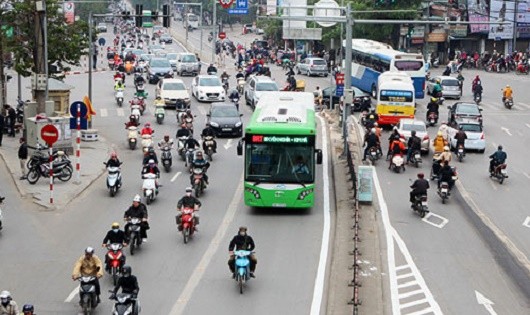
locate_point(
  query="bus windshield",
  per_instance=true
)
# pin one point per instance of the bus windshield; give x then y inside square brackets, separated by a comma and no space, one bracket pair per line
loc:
[193,18]
[278,163]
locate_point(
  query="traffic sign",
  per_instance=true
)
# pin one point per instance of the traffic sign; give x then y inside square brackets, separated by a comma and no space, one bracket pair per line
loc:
[242,4]
[226,3]
[73,109]
[339,78]
[340,90]
[237,11]
[222,35]
[49,134]
[101,41]
[83,123]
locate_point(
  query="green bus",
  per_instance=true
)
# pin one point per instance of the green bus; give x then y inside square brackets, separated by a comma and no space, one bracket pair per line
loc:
[279,151]
[147,18]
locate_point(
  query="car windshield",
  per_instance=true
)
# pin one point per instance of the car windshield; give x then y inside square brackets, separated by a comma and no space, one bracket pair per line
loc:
[193,18]
[171,56]
[160,63]
[450,83]
[266,86]
[468,109]
[319,62]
[165,36]
[189,58]
[415,127]
[174,86]
[209,82]
[224,111]
[471,127]
[146,57]
[408,65]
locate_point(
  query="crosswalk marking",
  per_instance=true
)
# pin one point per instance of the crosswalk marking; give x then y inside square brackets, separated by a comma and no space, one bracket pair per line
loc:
[103,112]
[410,293]
[413,303]
[120,112]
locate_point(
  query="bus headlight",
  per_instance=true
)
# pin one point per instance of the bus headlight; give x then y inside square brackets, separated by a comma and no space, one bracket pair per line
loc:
[305,193]
[254,192]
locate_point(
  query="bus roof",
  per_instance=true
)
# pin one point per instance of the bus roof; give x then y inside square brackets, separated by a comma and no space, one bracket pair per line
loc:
[380,50]
[394,76]
[288,113]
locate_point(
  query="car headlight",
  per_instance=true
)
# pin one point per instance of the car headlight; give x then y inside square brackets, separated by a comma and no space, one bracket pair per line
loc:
[254,192]
[170,71]
[238,124]
[222,93]
[201,92]
[305,193]
[214,124]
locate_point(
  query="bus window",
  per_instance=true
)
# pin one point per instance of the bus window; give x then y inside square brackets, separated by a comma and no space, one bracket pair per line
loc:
[408,65]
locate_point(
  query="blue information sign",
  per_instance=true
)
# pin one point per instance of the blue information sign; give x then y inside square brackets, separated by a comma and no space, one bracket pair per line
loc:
[83,123]
[339,90]
[101,41]
[241,7]
[73,109]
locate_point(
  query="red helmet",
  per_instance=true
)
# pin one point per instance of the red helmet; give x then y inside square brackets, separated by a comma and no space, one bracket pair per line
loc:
[147,125]
[421,175]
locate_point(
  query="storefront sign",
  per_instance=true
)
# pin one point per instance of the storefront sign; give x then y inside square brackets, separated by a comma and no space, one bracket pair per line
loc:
[436,37]
[501,11]
[458,31]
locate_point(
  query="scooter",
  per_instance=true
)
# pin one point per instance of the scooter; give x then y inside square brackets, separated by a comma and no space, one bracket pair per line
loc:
[115,262]
[113,180]
[397,163]
[149,187]
[119,97]
[420,205]
[189,157]
[209,143]
[477,98]
[140,88]
[180,147]
[460,153]
[132,137]
[242,267]
[61,170]
[508,102]
[126,304]
[240,85]
[135,239]
[499,173]
[87,294]
[198,181]
[136,113]
[181,108]
[166,158]
[186,223]
[147,142]
[432,119]
[188,121]
[415,158]
[374,154]
[225,84]
[443,191]
[235,101]
[160,113]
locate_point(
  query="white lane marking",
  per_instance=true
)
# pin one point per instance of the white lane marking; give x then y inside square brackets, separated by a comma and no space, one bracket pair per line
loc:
[72,295]
[506,130]
[403,276]
[407,284]
[120,112]
[527,222]
[228,144]
[197,274]
[103,112]
[318,290]
[424,311]
[413,303]
[440,225]
[175,177]
[402,267]
[527,125]
[526,174]
[410,293]
[488,305]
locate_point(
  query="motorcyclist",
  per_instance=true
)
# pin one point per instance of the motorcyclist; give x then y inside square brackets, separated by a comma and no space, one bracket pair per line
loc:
[132,122]
[137,210]
[460,138]
[446,175]
[242,241]
[225,76]
[129,57]
[150,155]
[507,93]
[437,89]
[159,101]
[166,142]
[370,119]
[476,81]
[497,158]
[208,131]
[292,83]
[370,140]
[139,79]
[89,265]
[200,162]
[147,130]
[439,142]
[378,130]
[119,85]
[118,76]
[129,285]
[113,161]
[395,134]
[419,187]
[28,309]
[151,168]
[413,144]
[7,305]
[114,236]
[445,155]
[191,144]
[240,74]
[396,148]
[477,90]
[432,107]
[211,69]
[183,132]
[188,201]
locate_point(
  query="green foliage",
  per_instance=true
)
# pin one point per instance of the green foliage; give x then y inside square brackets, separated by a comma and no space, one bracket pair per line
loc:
[66,42]
[272,29]
[83,9]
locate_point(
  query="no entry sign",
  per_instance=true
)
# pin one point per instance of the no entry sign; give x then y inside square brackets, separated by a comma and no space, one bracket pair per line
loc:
[49,134]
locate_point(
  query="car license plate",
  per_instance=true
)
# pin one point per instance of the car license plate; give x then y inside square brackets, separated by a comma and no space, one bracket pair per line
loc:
[444,190]
[227,129]
[417,156]
[279,205]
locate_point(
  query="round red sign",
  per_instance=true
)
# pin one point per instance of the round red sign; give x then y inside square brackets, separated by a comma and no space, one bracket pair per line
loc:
[49,134]
[226,3]
[222,35]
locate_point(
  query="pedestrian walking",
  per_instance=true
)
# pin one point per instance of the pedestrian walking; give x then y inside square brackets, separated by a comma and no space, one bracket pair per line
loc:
[12,115]
[2,126]
[95,57]
[23,156]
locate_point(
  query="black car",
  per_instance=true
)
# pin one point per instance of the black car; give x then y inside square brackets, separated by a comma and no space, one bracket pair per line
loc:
[158,68]
[165,38]
[462,110]
[359,97]
[225,119]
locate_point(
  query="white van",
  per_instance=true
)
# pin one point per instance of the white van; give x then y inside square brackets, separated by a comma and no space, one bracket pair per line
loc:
[192,20]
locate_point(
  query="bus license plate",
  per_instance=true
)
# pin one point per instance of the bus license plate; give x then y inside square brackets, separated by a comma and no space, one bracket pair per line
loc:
[279,205]
[227,129]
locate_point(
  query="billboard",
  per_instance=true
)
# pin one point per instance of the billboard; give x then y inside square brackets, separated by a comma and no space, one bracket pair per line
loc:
[69,12]
[478,11]
[523,19]
[271,7]
[501,10]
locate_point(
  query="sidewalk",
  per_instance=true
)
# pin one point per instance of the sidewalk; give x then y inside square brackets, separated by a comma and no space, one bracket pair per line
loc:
[93,154]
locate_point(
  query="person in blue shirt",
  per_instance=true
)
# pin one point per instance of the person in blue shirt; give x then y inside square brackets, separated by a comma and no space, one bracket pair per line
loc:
[497,158]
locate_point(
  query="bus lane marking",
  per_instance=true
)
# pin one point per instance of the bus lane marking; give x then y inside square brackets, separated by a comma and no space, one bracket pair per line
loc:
[442,221]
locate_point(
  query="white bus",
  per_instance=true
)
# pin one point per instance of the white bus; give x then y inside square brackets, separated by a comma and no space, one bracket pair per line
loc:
[395,98]
[192,20]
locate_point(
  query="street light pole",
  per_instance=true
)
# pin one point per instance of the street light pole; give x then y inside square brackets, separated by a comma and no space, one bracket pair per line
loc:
[214,34]
[90,56]
[515,11]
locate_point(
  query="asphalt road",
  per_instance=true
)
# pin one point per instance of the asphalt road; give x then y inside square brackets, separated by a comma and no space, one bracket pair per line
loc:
[38,255]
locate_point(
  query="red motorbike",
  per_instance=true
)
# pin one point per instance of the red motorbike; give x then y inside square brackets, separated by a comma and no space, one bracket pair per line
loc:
[115,261]
[186,224]
[140,102]
[522,68]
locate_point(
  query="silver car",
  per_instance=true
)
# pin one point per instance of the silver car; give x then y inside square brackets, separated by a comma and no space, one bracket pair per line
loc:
[312,66]
[187,63]
[450,86]
[474,132]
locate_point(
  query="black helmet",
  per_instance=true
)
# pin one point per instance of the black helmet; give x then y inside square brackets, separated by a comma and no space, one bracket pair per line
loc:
[28,308]
[151,150]
[499,147]
[126,271]
[413,133]
[461,127]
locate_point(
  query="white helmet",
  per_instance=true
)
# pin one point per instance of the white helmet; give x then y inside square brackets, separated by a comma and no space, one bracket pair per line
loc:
[373,130]
[137,198]
[5,295]
[89,250]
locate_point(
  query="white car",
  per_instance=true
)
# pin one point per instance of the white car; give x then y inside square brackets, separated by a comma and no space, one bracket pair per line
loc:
[208,88]
[172,91]
[405,127]
[256,86]
[474,132]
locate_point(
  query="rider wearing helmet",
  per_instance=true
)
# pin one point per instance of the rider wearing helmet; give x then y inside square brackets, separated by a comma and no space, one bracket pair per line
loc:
[414,145]
[370,140]
[242,241]
[200,162]
[433,107]
[507,93]
[439,142]
[147,130]
[460,138]
[211,69]
[437,88]
[113,161]
[419,187]
[150,155]
[28,309]
[132,122]
[89,265]
[208,131]
[114,236]
[7,305]
[137,210]
[188,201]
[151,168]
[129,285]
[167,142]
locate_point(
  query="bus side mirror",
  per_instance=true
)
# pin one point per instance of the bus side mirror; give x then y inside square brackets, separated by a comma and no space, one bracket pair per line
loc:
[319,156]
[240,147]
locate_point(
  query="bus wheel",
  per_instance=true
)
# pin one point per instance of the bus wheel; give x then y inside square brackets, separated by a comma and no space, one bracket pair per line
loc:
[374,91]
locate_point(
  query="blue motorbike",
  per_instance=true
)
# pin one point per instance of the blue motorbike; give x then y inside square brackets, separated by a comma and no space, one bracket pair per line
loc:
[242,267]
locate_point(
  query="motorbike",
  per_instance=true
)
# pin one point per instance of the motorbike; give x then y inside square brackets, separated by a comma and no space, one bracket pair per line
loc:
[87,294]
[432,119]
[397,163]
[415,158]
[522,68]
[129,67]
[160,113]
[61,170]
[235,101]
[132,137]
[135,239]
[39,157]
[242,267]
[141,66]
[477,98]
[374,154]
[209,145]
[20,110]
[508,102]
[166,158]
[149,187]
[499,173]
[115,262]
[181,108]
[113,180]
[240,85]
[186,223]
[139,102]
[198,181]
[140,88]
[189,157]
[460,153]
[119,97]
[126,304]
[188,121]
[224,81]
[111,64]
[443,191]
[180,147]
[136,113]
[420,205]
[147,142]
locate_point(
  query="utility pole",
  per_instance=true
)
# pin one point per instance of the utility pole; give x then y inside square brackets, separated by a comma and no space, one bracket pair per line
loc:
[515,12]
[41,63]
[3,80]
[214,34]
[90,56]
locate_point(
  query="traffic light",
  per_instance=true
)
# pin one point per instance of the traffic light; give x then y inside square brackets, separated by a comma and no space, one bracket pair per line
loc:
[165,18]
[138,17]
